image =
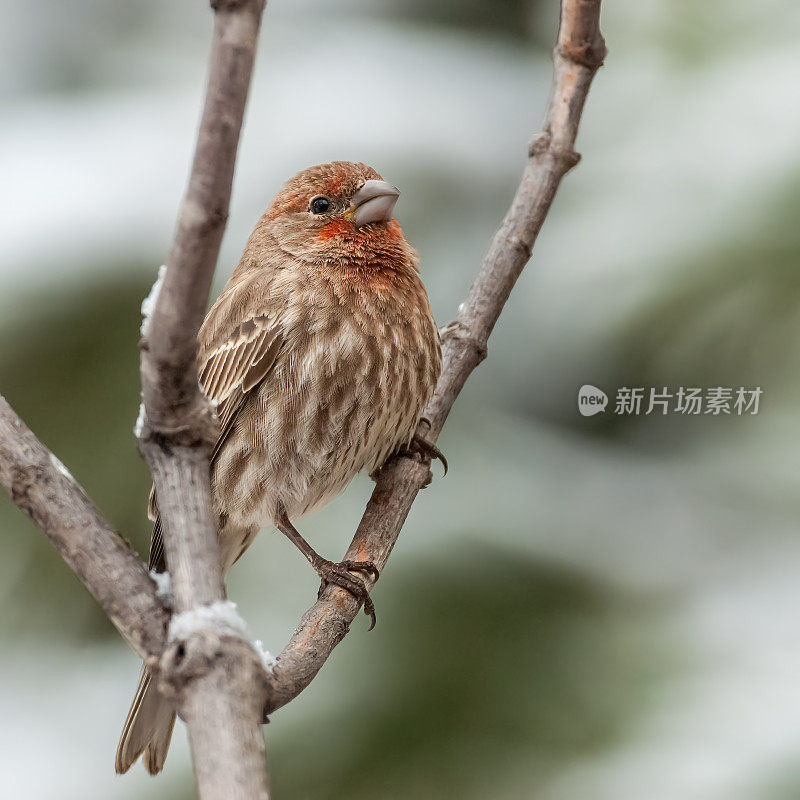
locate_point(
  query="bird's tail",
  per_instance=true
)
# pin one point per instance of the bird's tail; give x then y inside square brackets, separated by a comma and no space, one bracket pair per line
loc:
[148,728]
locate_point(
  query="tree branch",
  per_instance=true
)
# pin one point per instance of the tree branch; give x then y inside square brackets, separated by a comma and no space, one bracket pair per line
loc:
[178,426]
[579,53]
[212,674]
[43,488]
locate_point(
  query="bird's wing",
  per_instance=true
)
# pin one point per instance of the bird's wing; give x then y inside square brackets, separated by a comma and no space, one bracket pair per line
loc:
[237,364]
[231,369]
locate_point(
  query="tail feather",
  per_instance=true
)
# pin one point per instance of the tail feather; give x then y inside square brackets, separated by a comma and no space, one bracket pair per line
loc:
[147,729]
[148,726]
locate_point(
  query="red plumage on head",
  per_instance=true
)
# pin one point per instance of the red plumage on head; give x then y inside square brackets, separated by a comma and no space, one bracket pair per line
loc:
[338,179]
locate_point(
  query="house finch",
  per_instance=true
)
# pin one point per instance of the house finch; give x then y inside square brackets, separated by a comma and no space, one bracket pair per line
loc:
[321,353]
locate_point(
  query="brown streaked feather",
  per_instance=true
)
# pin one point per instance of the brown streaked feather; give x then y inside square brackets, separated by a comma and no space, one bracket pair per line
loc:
[232,370]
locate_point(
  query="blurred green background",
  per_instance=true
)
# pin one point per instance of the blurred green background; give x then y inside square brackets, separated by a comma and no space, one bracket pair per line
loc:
[596,607]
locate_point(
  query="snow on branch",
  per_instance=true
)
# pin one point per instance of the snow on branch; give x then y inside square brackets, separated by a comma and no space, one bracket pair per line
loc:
[149,303]
[163,587]
[221,615]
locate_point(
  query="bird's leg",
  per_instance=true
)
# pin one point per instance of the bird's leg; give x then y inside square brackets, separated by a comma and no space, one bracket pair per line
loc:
[331,572]
[421,446]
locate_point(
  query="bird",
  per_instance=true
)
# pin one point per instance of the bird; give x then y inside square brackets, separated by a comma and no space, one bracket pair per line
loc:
[320,355]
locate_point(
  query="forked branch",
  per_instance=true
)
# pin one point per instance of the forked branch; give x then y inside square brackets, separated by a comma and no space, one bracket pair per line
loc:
[578,55]
[217,680]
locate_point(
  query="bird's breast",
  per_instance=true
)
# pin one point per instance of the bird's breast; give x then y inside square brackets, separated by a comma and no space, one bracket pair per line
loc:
[345,392]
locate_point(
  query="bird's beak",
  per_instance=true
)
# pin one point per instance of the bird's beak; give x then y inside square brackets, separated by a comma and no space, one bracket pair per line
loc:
[373,202]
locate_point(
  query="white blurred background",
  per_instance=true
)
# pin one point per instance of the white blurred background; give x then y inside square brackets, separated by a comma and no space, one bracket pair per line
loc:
[594,607]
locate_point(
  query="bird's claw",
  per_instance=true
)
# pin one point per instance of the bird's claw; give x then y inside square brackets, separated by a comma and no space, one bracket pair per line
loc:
[341,575]
[419,445]
[362,566]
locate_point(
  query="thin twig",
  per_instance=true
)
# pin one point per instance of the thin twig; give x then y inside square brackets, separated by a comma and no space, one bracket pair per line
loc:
[578,55]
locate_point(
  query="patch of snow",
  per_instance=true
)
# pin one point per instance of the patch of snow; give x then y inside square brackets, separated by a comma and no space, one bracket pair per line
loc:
[56,462]
[149,303]
[163,584]
[138,428]
[221,615]
[267,659]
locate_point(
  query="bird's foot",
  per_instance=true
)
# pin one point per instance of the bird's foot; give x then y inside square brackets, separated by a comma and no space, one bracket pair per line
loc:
[420,446]
[341,575]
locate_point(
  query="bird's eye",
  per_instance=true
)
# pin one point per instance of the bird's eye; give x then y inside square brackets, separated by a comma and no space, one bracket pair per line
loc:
[319,205]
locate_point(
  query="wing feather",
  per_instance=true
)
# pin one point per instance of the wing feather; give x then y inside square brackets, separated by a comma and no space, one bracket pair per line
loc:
[231,370]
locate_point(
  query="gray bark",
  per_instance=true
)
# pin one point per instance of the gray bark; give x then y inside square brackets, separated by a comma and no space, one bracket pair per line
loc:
[215,678]
[41,486]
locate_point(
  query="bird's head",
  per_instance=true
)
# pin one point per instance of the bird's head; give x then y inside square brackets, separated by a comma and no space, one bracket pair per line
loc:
[339,214]
[337,192]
